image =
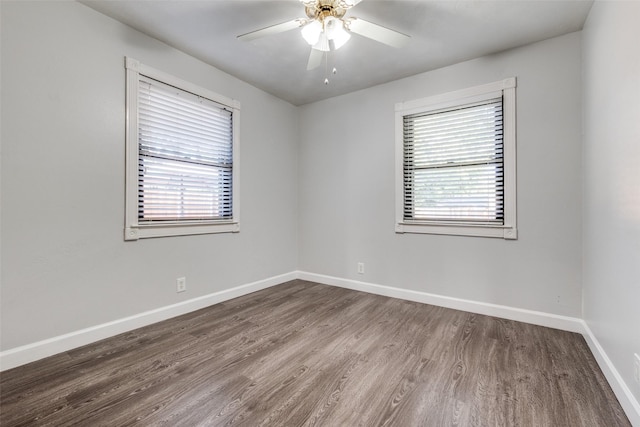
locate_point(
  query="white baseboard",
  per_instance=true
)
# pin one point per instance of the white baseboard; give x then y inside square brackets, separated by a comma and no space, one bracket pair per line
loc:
[565,323]
[41,349]
[627,400]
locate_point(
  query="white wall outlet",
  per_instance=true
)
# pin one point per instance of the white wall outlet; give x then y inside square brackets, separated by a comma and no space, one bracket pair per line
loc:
[361,268]
[636,367]
[181,284]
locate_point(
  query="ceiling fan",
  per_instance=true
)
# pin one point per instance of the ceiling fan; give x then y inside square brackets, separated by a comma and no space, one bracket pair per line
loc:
[325,28]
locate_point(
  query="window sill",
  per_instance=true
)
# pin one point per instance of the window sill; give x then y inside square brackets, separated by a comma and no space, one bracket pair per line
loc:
[148,231]
[474,230]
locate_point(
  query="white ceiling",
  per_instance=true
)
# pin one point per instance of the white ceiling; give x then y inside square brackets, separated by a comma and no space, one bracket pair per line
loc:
[443,32]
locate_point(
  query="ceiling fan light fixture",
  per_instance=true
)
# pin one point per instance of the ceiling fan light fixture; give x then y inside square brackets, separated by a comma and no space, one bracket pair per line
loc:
[323,42]
[326,28]
[337,33]
[311,32]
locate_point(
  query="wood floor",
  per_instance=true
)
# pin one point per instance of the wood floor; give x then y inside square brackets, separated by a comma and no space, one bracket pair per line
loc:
[304,354]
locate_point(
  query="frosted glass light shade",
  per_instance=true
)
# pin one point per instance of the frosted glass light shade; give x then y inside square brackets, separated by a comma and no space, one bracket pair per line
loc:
[340,36]
[334,28]
[323,42]
[311,32]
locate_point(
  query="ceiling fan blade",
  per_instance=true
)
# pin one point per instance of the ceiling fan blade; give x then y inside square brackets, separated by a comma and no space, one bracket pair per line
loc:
[315,59]
[377,32]
[273,29]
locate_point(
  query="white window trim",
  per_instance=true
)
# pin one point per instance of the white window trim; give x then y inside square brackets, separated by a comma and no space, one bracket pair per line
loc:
[133,229]
[506,88]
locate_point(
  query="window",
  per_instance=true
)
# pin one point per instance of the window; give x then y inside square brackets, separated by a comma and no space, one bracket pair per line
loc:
[455,163]
[182,157]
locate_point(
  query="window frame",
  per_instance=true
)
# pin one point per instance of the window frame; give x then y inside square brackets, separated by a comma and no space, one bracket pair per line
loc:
[507,90]
[135,230]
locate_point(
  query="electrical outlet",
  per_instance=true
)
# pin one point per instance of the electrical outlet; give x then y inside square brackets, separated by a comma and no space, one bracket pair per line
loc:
[361,268]
[181,284]
[636,367]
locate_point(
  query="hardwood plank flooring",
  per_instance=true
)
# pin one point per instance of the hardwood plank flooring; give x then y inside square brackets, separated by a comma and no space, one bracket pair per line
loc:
[305,354]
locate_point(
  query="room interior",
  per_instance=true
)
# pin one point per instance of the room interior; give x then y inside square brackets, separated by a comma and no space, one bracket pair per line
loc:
[317,179]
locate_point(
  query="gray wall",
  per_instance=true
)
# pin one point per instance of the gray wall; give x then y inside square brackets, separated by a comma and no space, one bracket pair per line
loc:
[65,265]
[347,182]
[611,214]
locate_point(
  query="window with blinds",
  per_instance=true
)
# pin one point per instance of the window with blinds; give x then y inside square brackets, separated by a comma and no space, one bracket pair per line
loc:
[453,164]
[182,157]
[456,163]
[185,159]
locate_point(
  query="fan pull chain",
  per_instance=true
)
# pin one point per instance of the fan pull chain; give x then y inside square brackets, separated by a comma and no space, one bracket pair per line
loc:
[326,68]
[326,60]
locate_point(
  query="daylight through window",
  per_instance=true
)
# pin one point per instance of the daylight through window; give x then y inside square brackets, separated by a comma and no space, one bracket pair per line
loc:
[185,155]
[453,164]
[457,155]
[181,157]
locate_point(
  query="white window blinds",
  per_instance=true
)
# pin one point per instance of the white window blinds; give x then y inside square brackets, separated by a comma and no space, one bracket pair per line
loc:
[453,164]
[185,155]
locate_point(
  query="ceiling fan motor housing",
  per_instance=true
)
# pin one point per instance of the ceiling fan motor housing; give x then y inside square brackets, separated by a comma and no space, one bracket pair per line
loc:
[321,9]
